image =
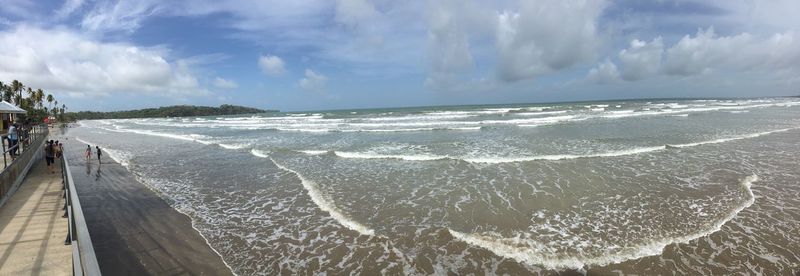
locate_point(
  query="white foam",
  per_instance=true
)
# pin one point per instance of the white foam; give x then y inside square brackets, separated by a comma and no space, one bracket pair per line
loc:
[734,138]
[371,155]
[313,152]
[120,157]
[551,157]
[325,203]
[554,157]
[234,146]
[184,137]
[259,153]
[532,252]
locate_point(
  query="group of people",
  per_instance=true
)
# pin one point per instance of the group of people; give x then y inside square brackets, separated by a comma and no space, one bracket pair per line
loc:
[52,150]
[88,153]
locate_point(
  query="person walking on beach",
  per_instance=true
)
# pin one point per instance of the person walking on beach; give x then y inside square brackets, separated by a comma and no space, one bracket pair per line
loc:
[99,153]
[88,153]
[50,156]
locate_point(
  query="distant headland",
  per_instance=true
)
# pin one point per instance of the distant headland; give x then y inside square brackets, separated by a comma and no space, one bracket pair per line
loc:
[169,111]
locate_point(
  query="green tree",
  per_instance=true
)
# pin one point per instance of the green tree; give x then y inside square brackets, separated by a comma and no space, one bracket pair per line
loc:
[39,96]
[16,88]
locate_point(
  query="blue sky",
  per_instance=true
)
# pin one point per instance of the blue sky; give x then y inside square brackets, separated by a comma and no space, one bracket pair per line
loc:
[313,55]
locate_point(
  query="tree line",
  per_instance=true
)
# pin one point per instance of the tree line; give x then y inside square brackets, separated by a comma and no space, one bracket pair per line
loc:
[168,111]
[32,101]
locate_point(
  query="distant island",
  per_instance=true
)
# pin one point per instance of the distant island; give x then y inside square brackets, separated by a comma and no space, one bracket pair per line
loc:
[168,111]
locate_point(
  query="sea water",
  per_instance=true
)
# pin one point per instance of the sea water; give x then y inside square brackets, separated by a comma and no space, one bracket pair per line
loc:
[656,186]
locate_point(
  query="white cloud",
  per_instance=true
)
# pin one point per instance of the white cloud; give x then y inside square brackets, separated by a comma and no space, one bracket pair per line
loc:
[225,84]
[448,45]
[313,80]
[641,59]
[604,73]
[59,59]
[743,55]
[126,16]
[271,65]
[546,36]
[706,53]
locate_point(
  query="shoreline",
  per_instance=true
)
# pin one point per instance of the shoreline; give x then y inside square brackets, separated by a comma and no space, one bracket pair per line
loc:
[158,237]
[111,154]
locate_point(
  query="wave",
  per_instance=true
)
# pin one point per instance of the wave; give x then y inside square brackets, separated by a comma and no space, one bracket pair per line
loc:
[723,140]
[535,253]
[552,157]
[234,146]
[118,156]
[321,130]
[314,152]
[368,155]
[259,153]
[325,203]
[184,137]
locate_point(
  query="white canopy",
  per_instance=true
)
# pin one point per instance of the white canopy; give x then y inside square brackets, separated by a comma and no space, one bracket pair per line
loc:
[6,107]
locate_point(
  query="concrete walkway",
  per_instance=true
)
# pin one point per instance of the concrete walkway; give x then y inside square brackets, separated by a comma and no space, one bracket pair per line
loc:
[32,232]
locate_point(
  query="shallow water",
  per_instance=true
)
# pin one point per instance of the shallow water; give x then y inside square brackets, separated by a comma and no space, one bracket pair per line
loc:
[673,186]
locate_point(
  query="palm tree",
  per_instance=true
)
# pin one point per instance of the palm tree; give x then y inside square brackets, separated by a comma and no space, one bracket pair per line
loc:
[39,97]
[8,93]
[50,99]
[17,87]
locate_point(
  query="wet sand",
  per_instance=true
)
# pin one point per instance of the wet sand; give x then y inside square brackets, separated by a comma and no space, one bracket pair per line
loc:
[133,230]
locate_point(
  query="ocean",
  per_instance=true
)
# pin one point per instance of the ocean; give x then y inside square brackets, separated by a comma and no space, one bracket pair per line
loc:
[698,187]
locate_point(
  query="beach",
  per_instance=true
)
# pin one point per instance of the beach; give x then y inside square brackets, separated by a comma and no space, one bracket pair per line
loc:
[134,231]
[705,186]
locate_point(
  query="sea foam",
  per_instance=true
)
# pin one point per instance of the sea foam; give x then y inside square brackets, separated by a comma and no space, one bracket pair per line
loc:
[325,203]
[533,252]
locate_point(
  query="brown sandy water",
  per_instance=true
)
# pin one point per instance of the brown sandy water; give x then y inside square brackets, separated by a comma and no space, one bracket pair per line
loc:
[547,189]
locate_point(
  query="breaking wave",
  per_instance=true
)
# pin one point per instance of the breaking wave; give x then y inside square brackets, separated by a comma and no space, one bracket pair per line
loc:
[536,253]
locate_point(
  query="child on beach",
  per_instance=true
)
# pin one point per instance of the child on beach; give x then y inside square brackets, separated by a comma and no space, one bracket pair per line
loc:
[99,153]
[88,153]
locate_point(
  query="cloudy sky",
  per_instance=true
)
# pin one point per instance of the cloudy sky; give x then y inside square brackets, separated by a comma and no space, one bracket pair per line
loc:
[332,54]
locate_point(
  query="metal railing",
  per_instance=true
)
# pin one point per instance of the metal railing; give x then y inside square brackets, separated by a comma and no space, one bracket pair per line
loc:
[14,171]
[84,261]
[24,137]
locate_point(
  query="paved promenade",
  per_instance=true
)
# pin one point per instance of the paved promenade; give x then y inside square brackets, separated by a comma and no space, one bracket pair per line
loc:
[32,232]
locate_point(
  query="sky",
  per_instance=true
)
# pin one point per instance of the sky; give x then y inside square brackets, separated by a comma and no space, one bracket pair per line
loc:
[341,54]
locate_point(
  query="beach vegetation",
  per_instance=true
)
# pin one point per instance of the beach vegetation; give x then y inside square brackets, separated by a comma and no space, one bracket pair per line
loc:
[32,100]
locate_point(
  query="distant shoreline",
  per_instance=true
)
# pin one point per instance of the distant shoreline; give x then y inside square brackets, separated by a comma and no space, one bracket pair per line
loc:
[169,111]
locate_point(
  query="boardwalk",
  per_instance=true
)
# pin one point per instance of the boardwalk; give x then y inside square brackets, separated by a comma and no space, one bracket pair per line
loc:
[32,232]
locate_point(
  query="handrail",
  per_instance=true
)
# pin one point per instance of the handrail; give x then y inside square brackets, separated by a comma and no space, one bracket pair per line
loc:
[22,143]
[84,260]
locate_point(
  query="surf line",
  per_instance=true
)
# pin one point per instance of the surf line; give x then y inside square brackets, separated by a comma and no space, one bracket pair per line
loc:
[554,157]
[535,253]
[323,201]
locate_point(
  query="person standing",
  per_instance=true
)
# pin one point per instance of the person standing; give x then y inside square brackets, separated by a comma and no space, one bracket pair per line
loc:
[50,156]
[13,139]
[99,153]
[59,149]
[88,153]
